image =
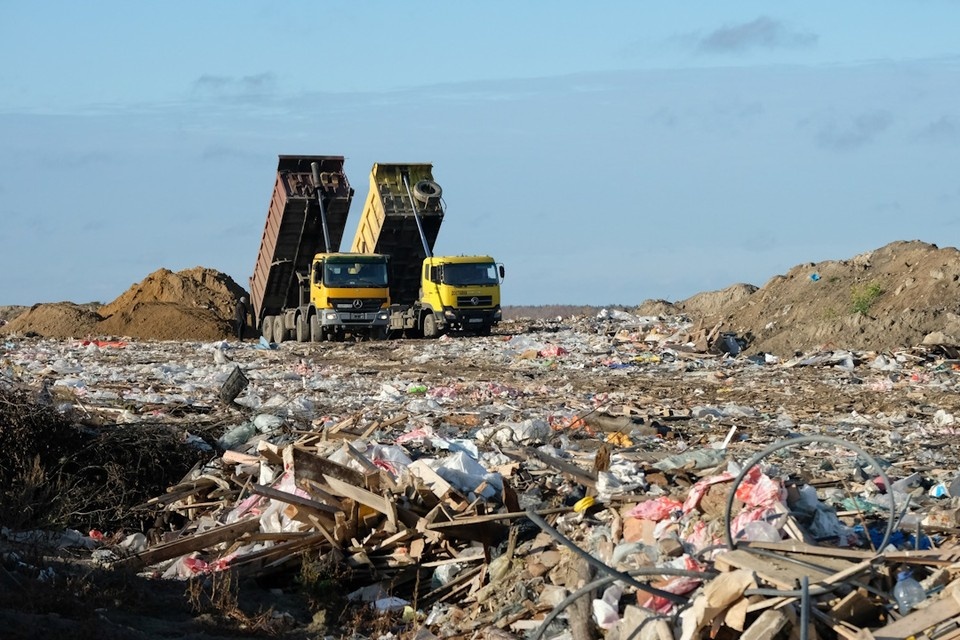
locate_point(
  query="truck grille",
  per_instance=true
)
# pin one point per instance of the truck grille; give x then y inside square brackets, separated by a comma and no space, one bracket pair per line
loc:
[474,301]
[357,305]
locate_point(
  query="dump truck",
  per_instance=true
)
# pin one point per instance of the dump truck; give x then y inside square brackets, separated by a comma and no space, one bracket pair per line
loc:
[429,294]
[302,286]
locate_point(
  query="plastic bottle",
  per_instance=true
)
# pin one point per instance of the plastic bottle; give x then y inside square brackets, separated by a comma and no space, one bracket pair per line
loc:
[908,592]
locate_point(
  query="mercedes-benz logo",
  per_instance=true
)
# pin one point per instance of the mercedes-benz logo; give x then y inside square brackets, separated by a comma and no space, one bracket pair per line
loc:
[474,300]
[357,303]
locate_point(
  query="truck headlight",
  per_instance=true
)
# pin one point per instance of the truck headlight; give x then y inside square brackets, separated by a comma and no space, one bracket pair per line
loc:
[383,316]
[497,314]
[331,316]
[450,315]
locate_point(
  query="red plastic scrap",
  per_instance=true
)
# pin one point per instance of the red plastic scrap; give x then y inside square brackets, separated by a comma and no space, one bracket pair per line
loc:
[678,585]
[657,509]
[553,351]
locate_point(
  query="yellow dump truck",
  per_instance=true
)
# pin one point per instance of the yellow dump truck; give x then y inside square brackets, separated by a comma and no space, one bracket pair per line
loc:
[302,286]
[430,294]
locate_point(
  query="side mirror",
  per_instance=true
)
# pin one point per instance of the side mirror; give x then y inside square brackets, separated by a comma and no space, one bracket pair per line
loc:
[502,271]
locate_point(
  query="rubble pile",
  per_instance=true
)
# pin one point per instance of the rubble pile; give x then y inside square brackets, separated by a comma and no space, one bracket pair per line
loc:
[609,476]
[899,295]
[194,304]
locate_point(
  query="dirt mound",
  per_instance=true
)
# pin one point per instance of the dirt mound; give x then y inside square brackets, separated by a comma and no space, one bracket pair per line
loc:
[9,312]
[657,308]
[194,304]
[55,320]
[165,321]
[196,288]
[885,299]
[711,304]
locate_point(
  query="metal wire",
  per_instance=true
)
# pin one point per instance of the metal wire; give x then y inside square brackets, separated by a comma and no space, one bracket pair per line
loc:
[755,460]
[601,582]
[619,575]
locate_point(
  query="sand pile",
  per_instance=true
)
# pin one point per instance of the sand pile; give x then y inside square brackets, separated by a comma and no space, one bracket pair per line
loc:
[897,296]
[194,304]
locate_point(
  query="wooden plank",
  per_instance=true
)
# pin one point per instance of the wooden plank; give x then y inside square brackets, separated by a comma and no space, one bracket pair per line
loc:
[290,498]
[779,574]
[346,422]
[578,474]
[840,576]
[799,547]
[253,562]
[917,621]
[492,517]
[189,544]
[364,497]
[319,490]
[312,467]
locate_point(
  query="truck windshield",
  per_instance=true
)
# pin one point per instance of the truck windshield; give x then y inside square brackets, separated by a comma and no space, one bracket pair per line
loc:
[467,274]
[355,274]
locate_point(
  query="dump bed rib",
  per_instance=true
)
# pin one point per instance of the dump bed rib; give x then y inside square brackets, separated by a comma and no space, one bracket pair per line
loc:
[388,225]
[294,233]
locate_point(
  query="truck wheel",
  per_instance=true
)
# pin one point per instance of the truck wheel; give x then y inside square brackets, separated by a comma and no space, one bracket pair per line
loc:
[279,333]
[266,328]
[426,191]
[303,329]
[430,326]
[316,332]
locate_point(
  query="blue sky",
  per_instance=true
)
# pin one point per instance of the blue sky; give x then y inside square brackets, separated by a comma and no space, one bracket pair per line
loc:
[605,154]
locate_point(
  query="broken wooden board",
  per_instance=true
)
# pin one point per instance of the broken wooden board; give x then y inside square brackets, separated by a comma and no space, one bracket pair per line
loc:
[919,620]
[777,572]
[290,498]
[189,544]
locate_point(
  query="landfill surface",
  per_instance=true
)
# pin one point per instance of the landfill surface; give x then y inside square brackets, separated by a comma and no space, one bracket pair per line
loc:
[612,475]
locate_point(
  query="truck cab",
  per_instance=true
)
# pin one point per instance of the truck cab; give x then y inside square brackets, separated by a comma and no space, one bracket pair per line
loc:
[347,291]
[462,293]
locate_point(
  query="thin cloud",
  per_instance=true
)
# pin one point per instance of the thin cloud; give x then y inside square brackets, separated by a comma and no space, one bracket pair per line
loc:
[854,133]
[217,152]
[257,85]
[762,33]
[942,130]
[73,160]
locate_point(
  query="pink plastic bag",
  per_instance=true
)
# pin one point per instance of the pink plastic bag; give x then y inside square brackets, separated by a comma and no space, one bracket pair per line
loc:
[656,509]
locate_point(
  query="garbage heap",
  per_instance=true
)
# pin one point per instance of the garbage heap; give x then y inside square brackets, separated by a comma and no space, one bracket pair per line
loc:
[602,477]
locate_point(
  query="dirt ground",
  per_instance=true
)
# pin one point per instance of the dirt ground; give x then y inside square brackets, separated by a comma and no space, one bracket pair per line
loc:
[893,297]
[887,300]
[88,602]
[896,296]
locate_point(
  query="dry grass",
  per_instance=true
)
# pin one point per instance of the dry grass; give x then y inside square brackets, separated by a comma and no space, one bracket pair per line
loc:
[56,474]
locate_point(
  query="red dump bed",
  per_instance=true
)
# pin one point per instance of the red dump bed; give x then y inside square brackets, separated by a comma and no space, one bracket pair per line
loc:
[294,231]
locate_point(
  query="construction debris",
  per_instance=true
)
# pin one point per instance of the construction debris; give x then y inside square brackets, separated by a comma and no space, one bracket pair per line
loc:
[614,476]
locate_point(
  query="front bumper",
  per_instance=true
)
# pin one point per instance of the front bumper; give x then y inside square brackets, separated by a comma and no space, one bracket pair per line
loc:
[471,318]
[332,318]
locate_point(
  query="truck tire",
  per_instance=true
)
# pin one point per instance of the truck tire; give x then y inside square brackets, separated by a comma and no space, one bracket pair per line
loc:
[316,332]
[279,332]
[430,326]
[427,191]
[303,329]
[266,328]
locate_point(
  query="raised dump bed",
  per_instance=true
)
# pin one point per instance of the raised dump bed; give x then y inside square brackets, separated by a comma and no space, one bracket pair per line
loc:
[388,225]
[294,231]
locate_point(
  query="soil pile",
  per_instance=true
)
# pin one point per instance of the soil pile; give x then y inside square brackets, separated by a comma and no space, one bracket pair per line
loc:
[901,295]
[55,320]
[194,304]
[9,312]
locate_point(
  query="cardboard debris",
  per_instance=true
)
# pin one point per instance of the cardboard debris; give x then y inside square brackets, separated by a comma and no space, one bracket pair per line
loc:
[332,457]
